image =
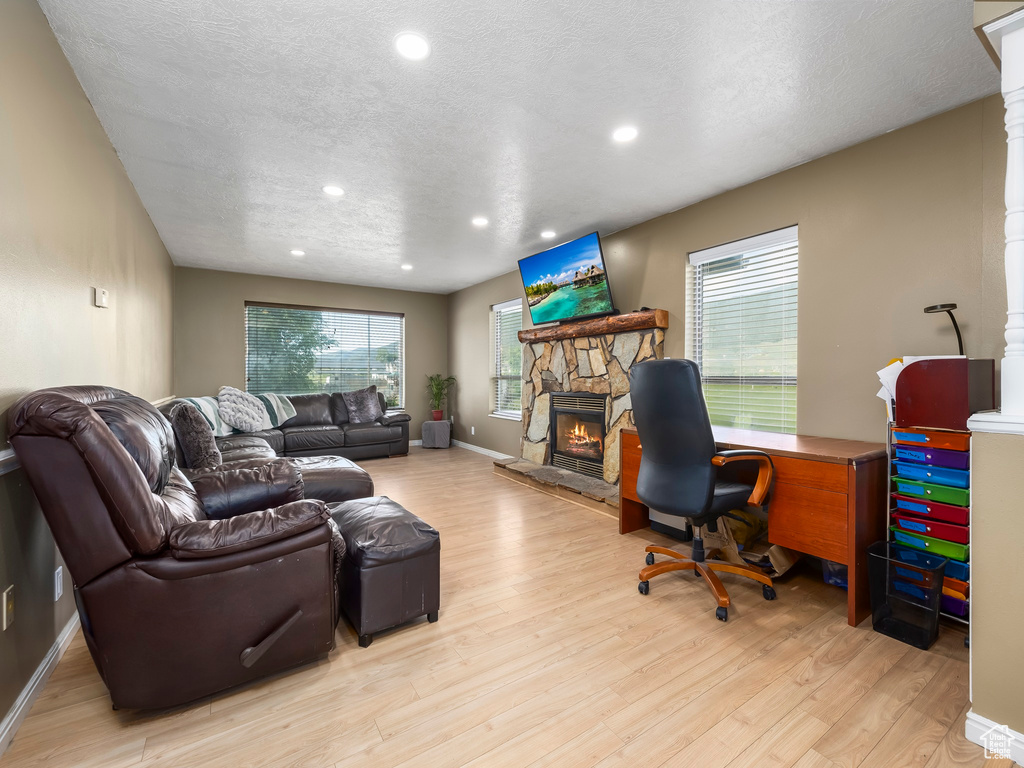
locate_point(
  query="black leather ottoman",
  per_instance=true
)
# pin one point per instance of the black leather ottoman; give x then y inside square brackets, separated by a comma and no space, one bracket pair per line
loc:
[392,568]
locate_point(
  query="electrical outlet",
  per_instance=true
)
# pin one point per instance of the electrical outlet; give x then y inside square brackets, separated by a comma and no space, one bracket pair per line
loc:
[8,607]
[472,430]
[58,583]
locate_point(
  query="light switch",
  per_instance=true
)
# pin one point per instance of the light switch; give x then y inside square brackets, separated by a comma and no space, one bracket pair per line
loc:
[101,297]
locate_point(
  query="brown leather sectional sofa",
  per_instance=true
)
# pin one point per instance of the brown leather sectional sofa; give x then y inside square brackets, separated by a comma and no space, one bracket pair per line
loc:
[320,427]
[187,582]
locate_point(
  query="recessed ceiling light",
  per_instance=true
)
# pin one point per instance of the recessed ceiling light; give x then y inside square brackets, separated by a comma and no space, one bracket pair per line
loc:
[407,267]
[479,221]
[331,189]
[412,46]
[625,133]
[547,234]
[297,252]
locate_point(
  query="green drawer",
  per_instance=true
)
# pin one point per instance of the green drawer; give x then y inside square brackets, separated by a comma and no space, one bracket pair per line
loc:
[935,546]
[943,493]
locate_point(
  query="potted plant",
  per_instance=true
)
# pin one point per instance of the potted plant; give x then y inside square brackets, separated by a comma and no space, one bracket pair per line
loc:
[438,386]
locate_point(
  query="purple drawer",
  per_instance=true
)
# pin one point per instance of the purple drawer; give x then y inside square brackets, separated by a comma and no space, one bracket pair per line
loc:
[954,606]
[937,457]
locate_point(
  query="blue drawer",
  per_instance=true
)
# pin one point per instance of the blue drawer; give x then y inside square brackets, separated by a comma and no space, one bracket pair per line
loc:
[925,473]
[958,570]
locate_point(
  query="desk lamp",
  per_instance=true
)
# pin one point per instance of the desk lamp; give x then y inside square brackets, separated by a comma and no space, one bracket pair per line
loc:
[948,309]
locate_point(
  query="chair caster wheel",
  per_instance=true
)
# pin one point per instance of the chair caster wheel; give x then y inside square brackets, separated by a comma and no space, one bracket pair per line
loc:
[768,592]
[643,587]
[721,613]
[650,558]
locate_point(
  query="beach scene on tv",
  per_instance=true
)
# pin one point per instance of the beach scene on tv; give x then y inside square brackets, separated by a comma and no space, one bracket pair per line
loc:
[566,282]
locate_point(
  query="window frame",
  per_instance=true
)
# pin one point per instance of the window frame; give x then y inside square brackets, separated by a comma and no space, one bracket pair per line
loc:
[767,243]
[401,407]
[496,378]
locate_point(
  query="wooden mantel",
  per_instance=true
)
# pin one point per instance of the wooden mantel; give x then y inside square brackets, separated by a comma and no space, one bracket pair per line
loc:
[598,326]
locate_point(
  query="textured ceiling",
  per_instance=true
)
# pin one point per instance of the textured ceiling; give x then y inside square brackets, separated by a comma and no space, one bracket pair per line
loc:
[230,115]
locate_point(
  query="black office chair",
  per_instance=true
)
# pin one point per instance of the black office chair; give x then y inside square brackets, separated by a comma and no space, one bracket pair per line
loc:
[679,471]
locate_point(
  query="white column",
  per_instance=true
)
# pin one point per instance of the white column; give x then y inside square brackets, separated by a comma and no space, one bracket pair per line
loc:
[1013,95]
[1006,35]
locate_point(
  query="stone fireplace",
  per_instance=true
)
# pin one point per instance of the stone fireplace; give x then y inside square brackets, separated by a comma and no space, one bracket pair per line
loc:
[576,389]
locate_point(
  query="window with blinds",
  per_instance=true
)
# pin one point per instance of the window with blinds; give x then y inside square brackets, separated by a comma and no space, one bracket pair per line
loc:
[507,321]
[742,313]
[296,350]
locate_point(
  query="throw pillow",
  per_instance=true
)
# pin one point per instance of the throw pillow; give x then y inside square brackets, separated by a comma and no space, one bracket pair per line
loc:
[195,437]
[363,405]
[241,410]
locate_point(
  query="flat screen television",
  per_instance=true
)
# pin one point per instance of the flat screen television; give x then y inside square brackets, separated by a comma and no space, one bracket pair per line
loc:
[567,282]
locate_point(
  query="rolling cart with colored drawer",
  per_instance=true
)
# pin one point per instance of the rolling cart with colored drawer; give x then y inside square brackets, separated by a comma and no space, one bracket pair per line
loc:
[929,510]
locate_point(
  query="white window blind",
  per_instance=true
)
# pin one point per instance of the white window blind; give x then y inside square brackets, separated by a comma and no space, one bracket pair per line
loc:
[508,358]
[297,350]
[743,330]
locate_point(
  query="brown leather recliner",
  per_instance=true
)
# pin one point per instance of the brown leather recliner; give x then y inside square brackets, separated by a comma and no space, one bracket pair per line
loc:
[175,606]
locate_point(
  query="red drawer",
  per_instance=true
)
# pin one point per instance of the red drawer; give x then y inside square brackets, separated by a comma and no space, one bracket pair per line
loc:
[933,438]
[933,510]
[946,531]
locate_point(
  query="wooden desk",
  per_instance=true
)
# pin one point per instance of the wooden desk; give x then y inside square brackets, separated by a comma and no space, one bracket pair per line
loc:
[828,499]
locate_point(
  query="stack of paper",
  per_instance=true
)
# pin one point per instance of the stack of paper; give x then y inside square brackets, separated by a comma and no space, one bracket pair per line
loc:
[888,376]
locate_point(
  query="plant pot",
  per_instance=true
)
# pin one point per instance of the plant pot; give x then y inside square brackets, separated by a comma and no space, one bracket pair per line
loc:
[438,415]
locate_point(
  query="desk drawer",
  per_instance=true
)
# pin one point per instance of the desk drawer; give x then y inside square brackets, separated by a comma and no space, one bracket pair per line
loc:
[809,520]
[811,474]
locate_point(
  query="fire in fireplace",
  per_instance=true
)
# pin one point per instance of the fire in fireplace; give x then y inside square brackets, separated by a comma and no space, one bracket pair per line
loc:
[574,439]
[577,432]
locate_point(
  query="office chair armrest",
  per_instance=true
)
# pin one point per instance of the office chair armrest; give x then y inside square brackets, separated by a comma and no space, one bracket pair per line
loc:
[765,470]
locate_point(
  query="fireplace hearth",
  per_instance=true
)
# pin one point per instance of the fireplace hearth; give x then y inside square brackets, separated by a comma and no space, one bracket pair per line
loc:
[577,432]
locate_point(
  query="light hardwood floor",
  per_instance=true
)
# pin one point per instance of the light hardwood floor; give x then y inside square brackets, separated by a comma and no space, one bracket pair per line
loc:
[546,655]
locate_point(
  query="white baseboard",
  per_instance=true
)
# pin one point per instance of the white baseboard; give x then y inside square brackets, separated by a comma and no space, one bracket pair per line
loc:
[415,442]
[9,725]
[478,449]
[977,731]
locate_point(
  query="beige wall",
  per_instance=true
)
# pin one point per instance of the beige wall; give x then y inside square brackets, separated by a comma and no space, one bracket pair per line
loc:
[887,227]
[209,328]
[69,220]
[469,360]
[997,573]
